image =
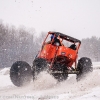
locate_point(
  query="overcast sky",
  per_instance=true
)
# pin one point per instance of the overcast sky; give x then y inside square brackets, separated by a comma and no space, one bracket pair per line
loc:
[77,18]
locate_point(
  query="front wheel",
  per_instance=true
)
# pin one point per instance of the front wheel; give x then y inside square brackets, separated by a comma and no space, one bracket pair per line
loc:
[84,66]
[20,73]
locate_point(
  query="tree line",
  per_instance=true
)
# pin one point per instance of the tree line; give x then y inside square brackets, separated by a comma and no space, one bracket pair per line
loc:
[22,44]
[90,47]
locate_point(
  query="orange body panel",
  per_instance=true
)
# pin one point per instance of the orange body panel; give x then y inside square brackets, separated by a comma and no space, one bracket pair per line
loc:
[48,52]
[70,53]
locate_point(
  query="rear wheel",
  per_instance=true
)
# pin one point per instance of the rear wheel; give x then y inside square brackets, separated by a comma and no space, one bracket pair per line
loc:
[20,73]
[84,67]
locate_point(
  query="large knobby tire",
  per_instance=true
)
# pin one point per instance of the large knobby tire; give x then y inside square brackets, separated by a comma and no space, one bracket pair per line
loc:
[60,77]
[20,73]
[84,66]
[39,64]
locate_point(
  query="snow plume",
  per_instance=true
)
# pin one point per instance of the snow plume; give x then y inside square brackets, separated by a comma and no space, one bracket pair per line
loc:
[90,81]
[44,81]
[46,86]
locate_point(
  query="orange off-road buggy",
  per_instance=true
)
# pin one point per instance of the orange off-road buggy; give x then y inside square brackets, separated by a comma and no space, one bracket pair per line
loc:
[58,56]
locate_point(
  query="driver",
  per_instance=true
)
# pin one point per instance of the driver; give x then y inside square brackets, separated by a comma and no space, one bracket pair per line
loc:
[55,41]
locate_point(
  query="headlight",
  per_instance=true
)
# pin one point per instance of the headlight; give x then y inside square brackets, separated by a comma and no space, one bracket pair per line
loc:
[63,53]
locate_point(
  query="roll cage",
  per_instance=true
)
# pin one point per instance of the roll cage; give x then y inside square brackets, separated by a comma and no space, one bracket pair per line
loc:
[63,37]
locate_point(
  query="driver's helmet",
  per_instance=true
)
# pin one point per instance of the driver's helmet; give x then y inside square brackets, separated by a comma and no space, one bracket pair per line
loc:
[52,36]
[56,41]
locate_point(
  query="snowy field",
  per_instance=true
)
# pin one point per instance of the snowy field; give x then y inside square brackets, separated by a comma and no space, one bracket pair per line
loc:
[47,88]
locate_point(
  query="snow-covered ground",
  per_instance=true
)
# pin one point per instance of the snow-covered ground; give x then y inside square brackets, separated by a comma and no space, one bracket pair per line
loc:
[47,88]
